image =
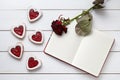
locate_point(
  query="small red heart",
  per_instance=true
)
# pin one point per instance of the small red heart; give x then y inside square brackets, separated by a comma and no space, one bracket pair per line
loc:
[19,30]
[37,37]
[16,51]
[32,63]
[33,14]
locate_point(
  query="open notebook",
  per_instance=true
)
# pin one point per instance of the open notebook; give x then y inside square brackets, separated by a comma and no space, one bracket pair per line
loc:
[86,53]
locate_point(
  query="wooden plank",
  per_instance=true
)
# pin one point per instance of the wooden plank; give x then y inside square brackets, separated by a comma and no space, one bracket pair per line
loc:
[51,65]
[52,77]
[8,39]
[55,4]
[103,19]
[58,77]
[46,77]
[115,34]
[106,19]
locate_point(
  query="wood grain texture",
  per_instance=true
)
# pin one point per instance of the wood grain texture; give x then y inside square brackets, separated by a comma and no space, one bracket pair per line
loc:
[103,19]
[15,12]
[55,4]
[58,77]
[52,65]
[9,39]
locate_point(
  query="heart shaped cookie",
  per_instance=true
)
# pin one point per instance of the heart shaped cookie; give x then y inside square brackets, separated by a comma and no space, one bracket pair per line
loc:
[34,14]
[36,37]
[33,63]
[19,31]
[17,50]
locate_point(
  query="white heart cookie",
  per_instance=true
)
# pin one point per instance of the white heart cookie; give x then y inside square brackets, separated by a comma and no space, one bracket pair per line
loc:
[17,50]
[34,14]
[19,31]
[36,37]
[33,63]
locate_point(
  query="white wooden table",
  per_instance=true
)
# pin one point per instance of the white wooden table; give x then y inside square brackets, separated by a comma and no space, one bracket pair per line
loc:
[15,11]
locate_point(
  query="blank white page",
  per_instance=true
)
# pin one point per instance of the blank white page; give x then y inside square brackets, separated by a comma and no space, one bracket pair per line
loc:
[64,47]
[93,51]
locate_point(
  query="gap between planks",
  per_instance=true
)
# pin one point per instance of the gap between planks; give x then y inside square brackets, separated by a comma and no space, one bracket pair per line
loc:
[51,30]
[51,9]
[55,73]
[26,30]
[43,51]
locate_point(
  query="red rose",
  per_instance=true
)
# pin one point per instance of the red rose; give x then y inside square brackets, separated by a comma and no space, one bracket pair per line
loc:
[58,28]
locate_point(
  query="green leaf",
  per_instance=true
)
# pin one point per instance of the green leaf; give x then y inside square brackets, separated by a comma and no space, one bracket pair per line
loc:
[84,25]
[98,2]
[98,6]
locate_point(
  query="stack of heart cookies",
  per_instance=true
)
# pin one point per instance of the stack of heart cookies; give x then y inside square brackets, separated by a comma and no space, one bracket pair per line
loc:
[19,31]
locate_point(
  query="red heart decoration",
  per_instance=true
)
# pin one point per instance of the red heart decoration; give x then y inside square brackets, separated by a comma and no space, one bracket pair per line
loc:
[32,63]
[19,30]
[33,14]
[37,37]
[16,51]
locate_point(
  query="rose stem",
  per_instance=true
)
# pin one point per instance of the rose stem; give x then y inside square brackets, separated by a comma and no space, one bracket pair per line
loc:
[83,13]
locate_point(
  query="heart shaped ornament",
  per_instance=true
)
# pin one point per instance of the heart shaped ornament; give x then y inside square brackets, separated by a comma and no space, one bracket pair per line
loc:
[36,37]
[19,31]
[34,14]
[17,50]
[33,63]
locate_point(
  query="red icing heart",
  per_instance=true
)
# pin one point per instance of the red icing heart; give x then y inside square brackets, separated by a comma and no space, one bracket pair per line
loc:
[37,37]
[32,63]
[33,14]
[16,51]
[19,30]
